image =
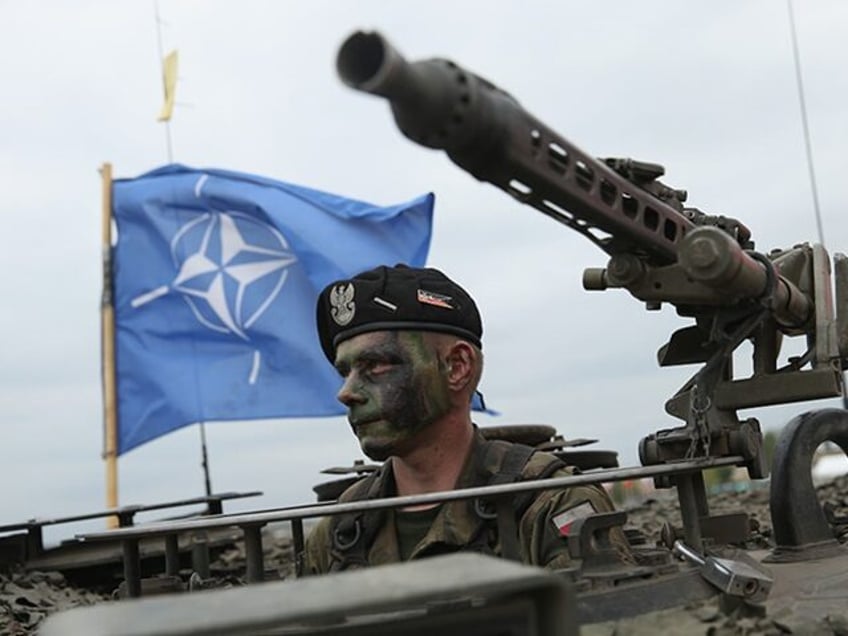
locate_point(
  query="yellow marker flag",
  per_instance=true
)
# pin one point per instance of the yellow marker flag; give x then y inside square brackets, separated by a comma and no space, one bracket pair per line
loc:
[169,83]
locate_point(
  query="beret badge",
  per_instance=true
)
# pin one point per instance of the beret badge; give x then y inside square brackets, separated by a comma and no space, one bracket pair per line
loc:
[342,307]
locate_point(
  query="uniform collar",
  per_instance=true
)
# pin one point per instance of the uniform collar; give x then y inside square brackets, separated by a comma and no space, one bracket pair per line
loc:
[455,527]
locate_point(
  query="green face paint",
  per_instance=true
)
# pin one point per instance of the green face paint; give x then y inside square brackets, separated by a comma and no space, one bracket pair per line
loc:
[395,386]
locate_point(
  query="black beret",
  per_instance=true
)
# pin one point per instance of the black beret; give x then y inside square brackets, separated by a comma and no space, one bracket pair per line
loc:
[394,298]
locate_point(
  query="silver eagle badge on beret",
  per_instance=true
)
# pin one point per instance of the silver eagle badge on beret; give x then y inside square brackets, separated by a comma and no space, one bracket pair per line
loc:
[342,307]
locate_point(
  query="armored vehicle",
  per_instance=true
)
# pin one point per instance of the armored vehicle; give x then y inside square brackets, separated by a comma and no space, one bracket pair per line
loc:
[660,251]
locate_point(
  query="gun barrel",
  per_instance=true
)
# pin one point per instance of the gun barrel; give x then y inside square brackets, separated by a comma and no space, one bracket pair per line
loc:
[710,256]
[428,98]
[367,62]
[485,131]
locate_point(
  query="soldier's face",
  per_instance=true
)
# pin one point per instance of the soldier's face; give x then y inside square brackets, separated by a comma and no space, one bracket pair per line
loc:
[395,385]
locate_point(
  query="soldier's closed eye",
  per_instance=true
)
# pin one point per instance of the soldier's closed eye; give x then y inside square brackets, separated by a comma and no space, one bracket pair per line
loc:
[378,367]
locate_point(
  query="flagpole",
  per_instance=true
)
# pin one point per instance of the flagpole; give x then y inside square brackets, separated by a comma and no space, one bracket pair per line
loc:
[205,459]
[167,120]
[107,331]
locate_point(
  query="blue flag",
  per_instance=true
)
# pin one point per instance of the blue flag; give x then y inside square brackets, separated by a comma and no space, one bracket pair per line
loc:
[216,275]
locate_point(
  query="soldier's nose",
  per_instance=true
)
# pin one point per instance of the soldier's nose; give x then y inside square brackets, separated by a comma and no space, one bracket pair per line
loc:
[348,395]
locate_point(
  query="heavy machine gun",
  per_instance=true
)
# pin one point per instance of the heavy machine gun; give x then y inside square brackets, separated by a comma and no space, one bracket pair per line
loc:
[661,251]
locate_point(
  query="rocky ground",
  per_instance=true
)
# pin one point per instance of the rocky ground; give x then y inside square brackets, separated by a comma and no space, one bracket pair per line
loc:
[26,598]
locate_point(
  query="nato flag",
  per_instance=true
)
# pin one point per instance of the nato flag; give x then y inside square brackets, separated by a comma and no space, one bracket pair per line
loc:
[216,275]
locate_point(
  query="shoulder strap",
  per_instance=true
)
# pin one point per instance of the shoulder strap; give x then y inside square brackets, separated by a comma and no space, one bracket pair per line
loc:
[511,469]
[523,501]
[352,534]
[507,467]
[513,464]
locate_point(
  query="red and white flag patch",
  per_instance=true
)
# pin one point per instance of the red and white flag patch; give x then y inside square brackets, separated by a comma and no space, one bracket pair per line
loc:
[432,298]
[564,520]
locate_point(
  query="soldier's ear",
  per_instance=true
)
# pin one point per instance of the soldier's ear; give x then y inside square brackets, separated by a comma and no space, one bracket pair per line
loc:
[459,363]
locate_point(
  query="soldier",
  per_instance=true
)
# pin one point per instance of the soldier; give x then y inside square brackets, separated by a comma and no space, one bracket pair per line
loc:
[408,344]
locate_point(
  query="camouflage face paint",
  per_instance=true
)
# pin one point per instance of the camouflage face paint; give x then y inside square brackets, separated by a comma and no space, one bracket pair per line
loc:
[395,386]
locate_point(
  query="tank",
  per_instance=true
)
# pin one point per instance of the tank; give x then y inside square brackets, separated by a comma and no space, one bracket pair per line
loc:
[707,572]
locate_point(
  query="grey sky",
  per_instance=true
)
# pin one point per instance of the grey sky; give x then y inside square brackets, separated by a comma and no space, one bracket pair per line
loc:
[707,89]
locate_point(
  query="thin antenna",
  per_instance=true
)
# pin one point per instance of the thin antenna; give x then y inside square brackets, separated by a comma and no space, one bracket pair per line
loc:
[809,146]
[807,143]
[161,64]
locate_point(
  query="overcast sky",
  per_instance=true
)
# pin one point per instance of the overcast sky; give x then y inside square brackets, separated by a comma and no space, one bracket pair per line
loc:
[707,89]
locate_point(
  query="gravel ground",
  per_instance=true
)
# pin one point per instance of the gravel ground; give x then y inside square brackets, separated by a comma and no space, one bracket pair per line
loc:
[27,598]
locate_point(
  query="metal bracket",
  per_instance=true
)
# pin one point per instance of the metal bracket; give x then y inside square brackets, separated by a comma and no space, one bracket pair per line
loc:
[801,529]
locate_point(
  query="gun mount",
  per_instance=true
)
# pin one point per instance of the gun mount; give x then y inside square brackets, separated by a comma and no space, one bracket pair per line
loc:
[660,250]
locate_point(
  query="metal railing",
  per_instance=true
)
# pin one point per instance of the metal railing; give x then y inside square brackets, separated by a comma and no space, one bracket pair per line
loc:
[125,514]
[686,476]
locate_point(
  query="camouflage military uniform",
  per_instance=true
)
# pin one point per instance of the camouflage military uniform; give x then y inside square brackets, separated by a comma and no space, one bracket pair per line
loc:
[458,525]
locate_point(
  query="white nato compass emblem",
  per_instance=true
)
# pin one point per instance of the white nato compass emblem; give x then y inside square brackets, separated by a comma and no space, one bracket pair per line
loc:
[230,268]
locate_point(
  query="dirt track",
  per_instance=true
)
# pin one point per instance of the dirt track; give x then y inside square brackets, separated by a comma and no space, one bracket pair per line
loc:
[27,598]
